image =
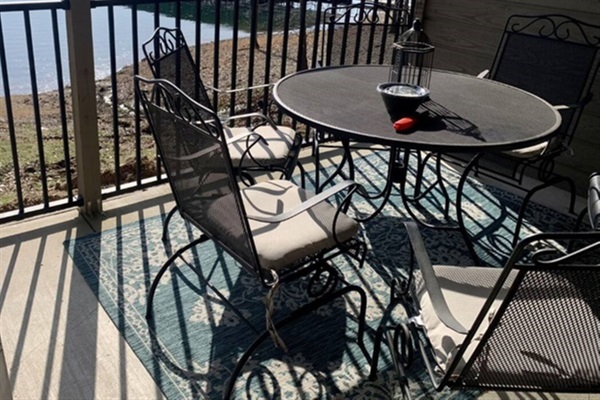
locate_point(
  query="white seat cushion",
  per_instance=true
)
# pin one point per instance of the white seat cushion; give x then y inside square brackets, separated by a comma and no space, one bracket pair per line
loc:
[569,348]
[283,244]
[280,142]
[465,289]
[528,152]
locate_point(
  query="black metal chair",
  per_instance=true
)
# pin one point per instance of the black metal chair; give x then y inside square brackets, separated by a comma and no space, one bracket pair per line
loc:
[273,229]
[533,325]
[263,147]
[360,33]
[557,58]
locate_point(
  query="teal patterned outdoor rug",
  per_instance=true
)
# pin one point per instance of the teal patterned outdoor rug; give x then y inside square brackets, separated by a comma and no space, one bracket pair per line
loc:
[193,343]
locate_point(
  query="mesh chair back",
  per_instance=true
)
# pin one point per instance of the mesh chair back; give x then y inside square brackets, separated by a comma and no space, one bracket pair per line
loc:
[553,56]
[198,167]
[169,57]
[546,334]
[361,33]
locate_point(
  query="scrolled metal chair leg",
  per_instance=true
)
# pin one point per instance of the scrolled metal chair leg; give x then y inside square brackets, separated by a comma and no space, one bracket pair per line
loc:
[164,268]
[403,345]
[390,339]
[376,351]
[527,199]
[317,158]
[166,223]
[440,181]
[302,175]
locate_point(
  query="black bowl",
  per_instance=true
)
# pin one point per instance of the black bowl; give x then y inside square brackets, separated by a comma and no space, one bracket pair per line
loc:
[402,99]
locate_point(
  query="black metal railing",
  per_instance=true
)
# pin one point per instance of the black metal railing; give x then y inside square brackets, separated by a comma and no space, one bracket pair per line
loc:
[254,43]
[25,172]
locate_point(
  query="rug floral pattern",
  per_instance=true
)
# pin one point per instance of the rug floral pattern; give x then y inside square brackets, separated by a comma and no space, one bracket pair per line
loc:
[193,342]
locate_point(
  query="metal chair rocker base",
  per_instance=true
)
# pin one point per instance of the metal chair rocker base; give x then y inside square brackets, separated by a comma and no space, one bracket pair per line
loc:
[322,295]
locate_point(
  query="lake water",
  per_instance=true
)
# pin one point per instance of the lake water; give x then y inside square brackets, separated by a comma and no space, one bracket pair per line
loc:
[13,29]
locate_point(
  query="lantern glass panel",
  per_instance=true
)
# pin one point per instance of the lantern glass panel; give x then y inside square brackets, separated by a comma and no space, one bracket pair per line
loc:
[412,58]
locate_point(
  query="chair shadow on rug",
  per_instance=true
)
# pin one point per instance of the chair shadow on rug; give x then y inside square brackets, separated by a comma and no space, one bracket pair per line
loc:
[488,213]
[491,235]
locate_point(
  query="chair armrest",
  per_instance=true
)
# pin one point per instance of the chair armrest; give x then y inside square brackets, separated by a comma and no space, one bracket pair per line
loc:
[484,73]
[229,91]
[574,106]
[431,283]
[243,136]
[252,115]
[306,205]
[195,155]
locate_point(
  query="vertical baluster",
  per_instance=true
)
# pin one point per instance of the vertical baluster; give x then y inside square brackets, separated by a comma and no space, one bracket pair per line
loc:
[358,28]
[284,46]
[268,50]
[301,63]
[114,95]
[318,32]
[136,101]
[61,104]
[156,50]
[216,53]
[253,45]
[234,54]
[10,121]
[198,47]
[36,107]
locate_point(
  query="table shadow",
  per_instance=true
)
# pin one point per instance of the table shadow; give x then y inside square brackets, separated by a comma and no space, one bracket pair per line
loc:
[435,117]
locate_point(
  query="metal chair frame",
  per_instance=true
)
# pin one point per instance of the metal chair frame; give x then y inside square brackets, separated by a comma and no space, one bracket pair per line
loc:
[535,254]
[324,278]
[164,43]
[563,31]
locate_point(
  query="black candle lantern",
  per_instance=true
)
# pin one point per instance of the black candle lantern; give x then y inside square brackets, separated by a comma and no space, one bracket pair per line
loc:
[412,57]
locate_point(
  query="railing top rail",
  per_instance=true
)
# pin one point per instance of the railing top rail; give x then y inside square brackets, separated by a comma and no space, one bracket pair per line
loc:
[104,3]
[35,5]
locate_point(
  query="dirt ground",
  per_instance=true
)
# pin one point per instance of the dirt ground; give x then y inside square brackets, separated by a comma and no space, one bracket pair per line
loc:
[26,131]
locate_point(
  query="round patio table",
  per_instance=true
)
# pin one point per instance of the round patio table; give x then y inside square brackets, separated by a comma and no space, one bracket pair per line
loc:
[464,114]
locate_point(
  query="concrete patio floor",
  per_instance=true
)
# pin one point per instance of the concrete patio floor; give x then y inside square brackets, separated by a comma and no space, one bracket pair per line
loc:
[58,341]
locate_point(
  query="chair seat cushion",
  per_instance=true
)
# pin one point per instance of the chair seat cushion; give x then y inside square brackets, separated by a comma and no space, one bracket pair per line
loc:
[280,142]
[465,289]
[285,243]
[528,152]
[553,306]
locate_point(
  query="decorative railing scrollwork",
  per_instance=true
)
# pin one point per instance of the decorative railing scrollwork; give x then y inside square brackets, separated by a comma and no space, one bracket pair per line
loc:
[366,14]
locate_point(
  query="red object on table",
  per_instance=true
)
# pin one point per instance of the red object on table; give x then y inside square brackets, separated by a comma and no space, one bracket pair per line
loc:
[404,124]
